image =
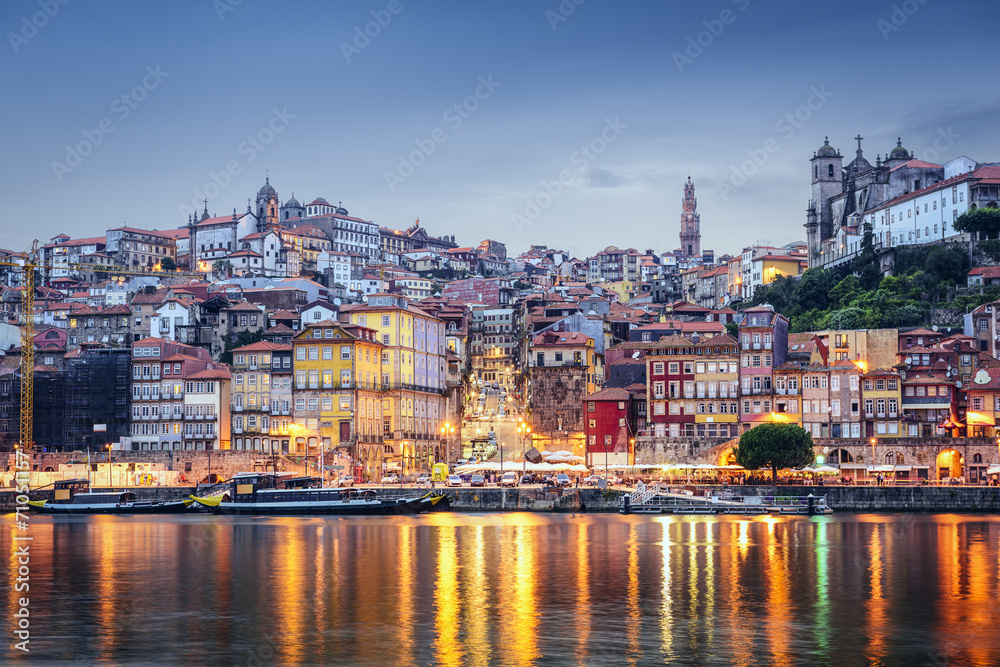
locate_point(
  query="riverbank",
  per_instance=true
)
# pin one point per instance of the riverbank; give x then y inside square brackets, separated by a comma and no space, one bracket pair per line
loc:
[969,499]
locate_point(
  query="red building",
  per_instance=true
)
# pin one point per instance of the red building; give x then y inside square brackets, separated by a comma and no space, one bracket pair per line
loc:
[610,428]
[670,387]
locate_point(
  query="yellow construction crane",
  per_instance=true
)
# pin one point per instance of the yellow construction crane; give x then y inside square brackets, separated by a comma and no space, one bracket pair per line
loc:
[27,265]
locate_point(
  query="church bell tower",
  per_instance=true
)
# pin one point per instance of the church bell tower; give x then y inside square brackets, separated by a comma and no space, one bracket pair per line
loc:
[690,222]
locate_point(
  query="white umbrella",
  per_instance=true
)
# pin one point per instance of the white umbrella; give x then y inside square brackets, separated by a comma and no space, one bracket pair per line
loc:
[705,466]
[580,468]
[561,466]
[993,470]
[825,470]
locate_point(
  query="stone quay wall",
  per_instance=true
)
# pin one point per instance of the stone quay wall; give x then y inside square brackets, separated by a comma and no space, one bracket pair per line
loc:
[843,499]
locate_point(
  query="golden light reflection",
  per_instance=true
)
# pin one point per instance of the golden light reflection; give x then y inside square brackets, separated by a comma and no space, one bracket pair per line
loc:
[666,595]
[296,590]
[778,595]
[475,587]
[710,592]
[740,629]
[446,597]
[633,616]
[743,539]
[688,534]
[876,605]
[519,617]
[323,585]
[404,604]
[584,612]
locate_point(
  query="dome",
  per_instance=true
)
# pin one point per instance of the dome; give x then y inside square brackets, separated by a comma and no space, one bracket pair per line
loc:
[342,211]
[293,202]
[826,150]
[899,153]
[267,190]
[859,165]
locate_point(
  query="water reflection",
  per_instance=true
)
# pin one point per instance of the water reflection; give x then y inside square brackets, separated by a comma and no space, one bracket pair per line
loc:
[513,589]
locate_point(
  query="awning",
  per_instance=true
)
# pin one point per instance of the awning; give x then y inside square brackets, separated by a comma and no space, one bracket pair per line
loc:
[980,419]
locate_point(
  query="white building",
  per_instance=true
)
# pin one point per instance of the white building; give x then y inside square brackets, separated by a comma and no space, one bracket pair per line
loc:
[174,313]
[339,264]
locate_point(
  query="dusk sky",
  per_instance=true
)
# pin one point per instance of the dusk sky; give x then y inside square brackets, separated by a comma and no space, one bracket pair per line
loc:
[292,90]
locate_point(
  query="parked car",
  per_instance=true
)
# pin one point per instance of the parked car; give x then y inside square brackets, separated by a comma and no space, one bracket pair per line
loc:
[563,479]
[345,480]
[477,480]
[390,479]
[424,479]
[593,480]
[454,480]
[509,479]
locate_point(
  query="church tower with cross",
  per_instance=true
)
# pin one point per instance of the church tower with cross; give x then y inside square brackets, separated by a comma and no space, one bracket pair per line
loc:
[827,182]
[690,222]
[268,207]
[846,198]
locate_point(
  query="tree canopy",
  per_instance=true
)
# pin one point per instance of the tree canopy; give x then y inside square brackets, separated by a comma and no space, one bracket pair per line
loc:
[772,445]
[168,264]
[926,276]
[981,220]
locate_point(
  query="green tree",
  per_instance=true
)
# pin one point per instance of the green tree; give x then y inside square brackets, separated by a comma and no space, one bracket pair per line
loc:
[733,329]
[774,446]
[813,290]
[844,292]
[985,221]
[847,318]
[866,265]
[168,264]
[949,265]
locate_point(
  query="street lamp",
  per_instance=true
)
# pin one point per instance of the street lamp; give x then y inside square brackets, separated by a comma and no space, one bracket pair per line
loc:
[447,431]
[873,455]
[523,430]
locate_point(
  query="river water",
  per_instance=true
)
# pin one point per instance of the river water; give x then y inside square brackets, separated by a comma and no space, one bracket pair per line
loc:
[510,589]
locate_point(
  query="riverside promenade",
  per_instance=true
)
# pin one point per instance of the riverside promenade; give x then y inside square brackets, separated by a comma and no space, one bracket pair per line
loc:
[967,499]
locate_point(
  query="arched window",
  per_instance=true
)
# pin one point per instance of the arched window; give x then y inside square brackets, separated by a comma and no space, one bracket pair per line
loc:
[977,458]
[831,170]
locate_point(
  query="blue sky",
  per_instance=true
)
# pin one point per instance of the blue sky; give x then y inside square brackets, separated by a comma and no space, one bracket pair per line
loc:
[251,86]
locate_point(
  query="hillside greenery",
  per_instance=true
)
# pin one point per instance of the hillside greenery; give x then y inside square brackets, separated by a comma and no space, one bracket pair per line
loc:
[857,297]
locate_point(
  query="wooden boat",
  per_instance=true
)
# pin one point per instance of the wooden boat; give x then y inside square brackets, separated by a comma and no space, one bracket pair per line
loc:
[266,493]
[71,499]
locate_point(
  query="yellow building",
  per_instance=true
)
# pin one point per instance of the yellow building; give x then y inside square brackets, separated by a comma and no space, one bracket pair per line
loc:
[310,241]
[787,400]
[717,381]
[413,378]
[336,387]
[874,348]
[625,289]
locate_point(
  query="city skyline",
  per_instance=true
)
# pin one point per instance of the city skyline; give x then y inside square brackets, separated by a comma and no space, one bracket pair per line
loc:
[530,123]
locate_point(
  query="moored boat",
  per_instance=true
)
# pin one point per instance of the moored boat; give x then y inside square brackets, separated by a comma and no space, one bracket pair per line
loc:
[266,493]
[71,499]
